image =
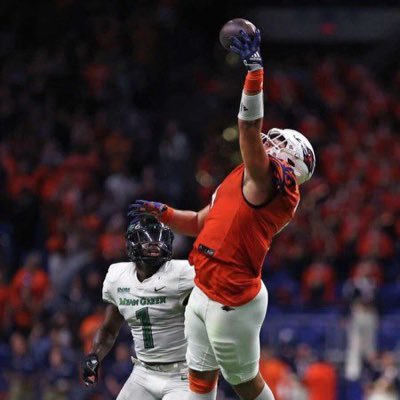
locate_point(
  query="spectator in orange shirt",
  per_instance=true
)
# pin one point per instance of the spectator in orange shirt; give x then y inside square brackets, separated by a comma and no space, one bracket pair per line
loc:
[320,380]
[28,290]
[112,241]
[273,370]
[89,327]
[318,284]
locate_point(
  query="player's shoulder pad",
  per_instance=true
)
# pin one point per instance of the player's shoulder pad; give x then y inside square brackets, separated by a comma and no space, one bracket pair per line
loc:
[115,271]
[186,274]
[283,175]
[180,265]
[180,269]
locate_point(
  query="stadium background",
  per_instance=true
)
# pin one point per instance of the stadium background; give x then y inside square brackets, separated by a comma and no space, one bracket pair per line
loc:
[105,102]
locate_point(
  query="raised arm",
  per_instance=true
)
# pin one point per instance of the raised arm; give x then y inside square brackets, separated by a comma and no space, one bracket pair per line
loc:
[258,187]
[188,223]
[103,342]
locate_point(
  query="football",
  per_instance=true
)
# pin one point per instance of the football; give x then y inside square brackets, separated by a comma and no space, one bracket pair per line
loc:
[232,28]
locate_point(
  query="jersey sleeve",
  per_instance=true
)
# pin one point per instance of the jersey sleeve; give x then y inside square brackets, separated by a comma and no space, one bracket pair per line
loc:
[186,280]
[283,176]
[107,292]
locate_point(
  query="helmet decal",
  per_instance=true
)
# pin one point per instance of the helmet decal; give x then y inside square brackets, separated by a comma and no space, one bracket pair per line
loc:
[293,148]
[283,175]
[308,158]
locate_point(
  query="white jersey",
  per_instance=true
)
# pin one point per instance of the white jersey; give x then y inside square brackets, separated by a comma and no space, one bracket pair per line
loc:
[153,308]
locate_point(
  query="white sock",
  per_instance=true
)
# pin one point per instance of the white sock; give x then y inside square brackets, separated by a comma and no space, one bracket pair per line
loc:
[266,394]
[206,396]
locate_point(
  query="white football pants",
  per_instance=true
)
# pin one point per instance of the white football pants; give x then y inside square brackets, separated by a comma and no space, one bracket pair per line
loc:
[225,338]
[145,384]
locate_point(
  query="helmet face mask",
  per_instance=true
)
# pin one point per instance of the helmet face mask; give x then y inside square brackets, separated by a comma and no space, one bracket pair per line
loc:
[292,147]
[149,242]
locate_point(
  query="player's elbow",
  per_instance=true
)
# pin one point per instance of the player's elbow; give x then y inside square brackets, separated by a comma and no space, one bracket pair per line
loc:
[198,226]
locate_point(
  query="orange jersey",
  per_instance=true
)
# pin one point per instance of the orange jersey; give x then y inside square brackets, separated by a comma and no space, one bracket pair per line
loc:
[230,249]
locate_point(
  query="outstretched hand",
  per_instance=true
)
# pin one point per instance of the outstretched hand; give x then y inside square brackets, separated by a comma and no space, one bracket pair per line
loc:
[143,206]
[248,48]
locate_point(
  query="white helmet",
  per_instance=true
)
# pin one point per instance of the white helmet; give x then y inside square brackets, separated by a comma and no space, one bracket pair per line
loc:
[292,147]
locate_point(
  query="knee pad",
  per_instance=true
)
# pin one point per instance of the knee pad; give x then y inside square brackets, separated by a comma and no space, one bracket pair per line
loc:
[241,375]
[201,386]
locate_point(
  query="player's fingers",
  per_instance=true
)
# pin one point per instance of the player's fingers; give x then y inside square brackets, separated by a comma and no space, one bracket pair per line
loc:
[153,205]
[135,210]
[244,36]
[237,46]
[257,38]
[136,204]
[158,206]
[132,216]
[235,49]
[236,42]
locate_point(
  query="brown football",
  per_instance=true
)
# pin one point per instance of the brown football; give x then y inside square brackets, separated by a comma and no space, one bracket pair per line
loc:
[233,28]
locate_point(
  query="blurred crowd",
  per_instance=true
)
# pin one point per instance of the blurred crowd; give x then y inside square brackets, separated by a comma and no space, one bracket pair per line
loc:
[101,105]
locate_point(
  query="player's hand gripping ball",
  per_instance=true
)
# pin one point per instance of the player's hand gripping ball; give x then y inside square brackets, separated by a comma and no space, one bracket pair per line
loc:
[232,28]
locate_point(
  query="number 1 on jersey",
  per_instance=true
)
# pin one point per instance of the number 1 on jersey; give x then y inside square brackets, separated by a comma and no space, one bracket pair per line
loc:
[143,316]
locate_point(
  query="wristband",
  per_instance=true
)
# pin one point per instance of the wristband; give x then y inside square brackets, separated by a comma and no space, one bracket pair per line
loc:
[251,107]
[254,81]
[167,215]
